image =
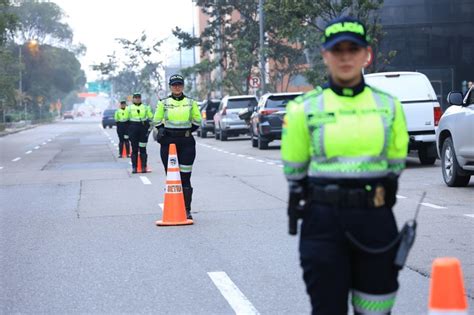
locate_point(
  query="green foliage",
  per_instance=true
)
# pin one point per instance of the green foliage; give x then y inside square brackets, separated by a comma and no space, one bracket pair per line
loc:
[42,21]
[8,21]
[49,71]
[139,72]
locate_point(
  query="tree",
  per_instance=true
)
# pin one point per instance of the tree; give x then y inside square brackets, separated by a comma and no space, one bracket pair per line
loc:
[138,72]
[305,20]
[233,41]
[8,21]
[42,21]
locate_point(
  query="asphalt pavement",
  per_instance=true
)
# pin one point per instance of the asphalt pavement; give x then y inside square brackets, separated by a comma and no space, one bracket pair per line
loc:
[78,234]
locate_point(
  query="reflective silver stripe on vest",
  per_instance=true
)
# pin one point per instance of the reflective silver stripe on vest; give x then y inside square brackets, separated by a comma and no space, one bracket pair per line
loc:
[354,174]
[311,105]
[342,159]
[385,120]
[177,124]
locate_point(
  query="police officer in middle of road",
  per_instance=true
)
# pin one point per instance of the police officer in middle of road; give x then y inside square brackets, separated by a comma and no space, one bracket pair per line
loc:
[140,116]
[121,120]
[176,117]
[343,147]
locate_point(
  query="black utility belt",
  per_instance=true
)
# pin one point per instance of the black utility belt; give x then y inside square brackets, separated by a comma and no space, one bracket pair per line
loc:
[372,196]
[178,133]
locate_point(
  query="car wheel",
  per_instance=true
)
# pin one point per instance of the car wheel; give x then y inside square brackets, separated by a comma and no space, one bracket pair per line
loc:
[252,138]
[203,134]
[104,126]
[223,135]
[425,159]
[449,165]
[216,134]
[262,143]
[198,133]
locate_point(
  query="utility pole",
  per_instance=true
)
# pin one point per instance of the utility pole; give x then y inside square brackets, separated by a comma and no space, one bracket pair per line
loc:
[194,51]
[219,51]
[262,48]
[20,82]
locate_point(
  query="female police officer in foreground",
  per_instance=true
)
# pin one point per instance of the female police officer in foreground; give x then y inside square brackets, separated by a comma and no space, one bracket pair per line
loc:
[176,117]
[343,147]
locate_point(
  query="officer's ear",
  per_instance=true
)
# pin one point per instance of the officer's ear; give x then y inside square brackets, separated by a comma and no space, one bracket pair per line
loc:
[324,53]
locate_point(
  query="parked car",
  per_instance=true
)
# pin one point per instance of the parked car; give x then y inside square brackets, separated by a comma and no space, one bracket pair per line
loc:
[265,123]
[68,115]
[208,110]
[421,107]
[108,119]
[227,122]
[455,139]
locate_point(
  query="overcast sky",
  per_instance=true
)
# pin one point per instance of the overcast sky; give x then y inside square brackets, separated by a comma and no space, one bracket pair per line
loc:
[96,23]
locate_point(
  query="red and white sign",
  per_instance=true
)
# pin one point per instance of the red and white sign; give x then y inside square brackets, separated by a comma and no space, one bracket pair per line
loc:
[255,81]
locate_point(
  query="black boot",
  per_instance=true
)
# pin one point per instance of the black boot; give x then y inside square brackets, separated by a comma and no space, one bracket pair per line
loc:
[120,150]
[144,158]
[134,162]
[188,197]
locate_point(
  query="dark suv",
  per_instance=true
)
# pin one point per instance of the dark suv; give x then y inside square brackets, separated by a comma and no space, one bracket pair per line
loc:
[267,119]
[208,110]
[108,119]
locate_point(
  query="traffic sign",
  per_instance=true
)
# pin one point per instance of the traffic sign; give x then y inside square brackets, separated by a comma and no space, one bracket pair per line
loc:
[98,86]
[254,81]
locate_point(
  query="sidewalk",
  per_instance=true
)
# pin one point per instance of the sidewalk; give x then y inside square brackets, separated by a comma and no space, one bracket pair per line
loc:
[21,126]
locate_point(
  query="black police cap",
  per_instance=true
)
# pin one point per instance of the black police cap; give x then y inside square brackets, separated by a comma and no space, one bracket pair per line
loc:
[345,29]
[176,79]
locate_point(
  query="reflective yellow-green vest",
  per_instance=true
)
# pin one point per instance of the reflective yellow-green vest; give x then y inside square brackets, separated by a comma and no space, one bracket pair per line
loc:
[327,135]
[139,113]
[122,115]
[177,114]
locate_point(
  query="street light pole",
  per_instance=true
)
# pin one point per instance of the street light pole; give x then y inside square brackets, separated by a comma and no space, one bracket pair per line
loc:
[20,83]
[262,43]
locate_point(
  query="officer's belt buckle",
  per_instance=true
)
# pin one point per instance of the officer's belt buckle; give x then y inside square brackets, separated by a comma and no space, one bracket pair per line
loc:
[187,133]
[379,196]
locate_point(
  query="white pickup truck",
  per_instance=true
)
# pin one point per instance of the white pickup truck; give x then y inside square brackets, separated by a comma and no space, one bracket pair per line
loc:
[421,107]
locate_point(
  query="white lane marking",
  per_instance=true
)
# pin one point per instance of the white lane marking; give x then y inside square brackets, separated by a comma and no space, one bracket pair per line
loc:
[37,147]
[28,152]
[44,143]
[270,163]
[280,166]
[1,167]
[49,140]
[145,180]
[470,215]
[241,155]
[232,153]
[261,161]
[427,204]
[401,197]
[130,162]
[16,159]
[112,141]
[236,299]
[225,151]
[250,158]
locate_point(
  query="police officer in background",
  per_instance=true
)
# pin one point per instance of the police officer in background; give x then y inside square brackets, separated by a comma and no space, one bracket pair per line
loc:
[138,131]
[343,148]
[121,120]
[176,117]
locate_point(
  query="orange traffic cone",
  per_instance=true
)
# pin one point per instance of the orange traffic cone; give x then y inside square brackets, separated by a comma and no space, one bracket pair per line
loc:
[124,152]
[174,212]
[447,295]
[139,165]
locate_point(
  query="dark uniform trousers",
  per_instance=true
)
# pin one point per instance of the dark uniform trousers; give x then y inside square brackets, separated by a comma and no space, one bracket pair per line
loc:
[122,131]
[138,133]
[332,265]
[186,147]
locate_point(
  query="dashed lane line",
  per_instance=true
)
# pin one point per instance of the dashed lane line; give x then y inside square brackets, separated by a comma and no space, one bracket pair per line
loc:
[236,299]
[401,197]
[37,147]
[145,180]
[28,152]
[1,167]
[260,161]
[49,140]
[16,159]
[44,143]
[427,204]
[470,215]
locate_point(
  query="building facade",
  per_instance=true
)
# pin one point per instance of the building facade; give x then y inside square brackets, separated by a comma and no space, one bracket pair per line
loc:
[434,37]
